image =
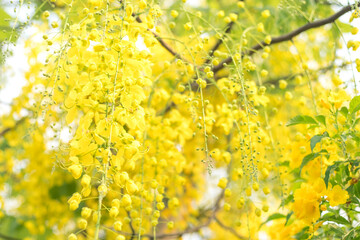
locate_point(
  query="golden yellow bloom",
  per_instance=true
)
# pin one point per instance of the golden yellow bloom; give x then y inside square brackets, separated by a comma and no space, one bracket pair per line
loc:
[260,27]
[240,4]
[337,196]
[85,180]
[282,84]
[265,14]
[222,183]
[118,226]
[267,39]
[86,212]
[188,26]
[306,202]
[221,14]
[75,170]
[82,223]
[72,237]
[174,13]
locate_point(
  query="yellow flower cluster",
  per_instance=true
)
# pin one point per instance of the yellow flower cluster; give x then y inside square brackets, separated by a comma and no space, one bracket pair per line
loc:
[308,197]
[119,130]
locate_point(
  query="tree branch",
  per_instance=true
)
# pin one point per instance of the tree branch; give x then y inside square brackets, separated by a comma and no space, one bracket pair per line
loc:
[166,46]
[220,41]
[6,130]
[322,70]
[162,42]
[288,36]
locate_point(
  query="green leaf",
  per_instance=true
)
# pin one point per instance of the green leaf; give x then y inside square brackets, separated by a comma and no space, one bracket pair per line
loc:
[336,230]
[273,217]
[289,199]
[303,234]
[328,172]
[5,28]
[335,218]
[357,189]
[352,234]
[301,119]
[354,104]
[356,121]
[354,200]
[66,189]
[317,138]
[321,119]
[344,111]
[13,228]
[310,157]
[288,217]
[344,27]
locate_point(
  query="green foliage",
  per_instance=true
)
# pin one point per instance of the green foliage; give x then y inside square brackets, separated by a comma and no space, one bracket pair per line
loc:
[301,119]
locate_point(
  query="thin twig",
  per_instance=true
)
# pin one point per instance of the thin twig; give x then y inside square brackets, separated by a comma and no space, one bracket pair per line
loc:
[6,130]
[166,46]
[162,42]
[133,234]
[228,28]
[219,42]
[288,36]
[322,70]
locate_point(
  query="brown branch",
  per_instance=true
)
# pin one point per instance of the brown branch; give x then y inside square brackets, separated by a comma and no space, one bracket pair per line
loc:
[6,130]
[288,36]
[220,40]
[322,70]
[162,42]
[131,227]
[166,46]
[230,229]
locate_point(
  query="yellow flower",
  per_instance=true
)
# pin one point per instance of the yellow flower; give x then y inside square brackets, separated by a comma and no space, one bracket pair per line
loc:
[222,183]
[118,226]
[268,39]
[100,47]
[85,212]
[260,27]
[336,80]
[354,30]
[75,170]
[174,13]
[131,187]
[233,17]
[265,14]
[282,84]
[85,180]
[82,223]
[221,14]
[306,203]
[266,190]
[188,26]
[337,196]
[72,237]
[337,98]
